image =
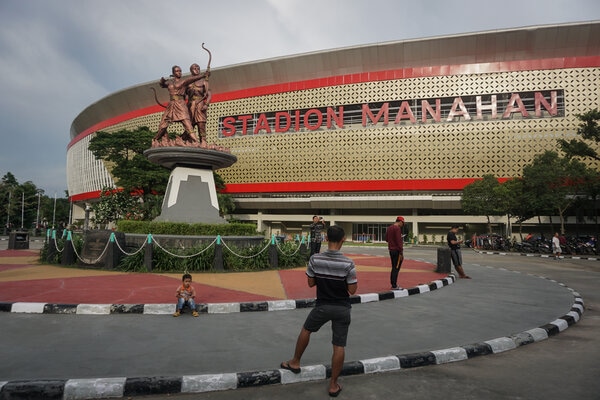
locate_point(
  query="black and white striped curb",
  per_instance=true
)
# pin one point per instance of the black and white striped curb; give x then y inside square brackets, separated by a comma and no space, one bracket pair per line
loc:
[551,256]
[211,308]
[75,389]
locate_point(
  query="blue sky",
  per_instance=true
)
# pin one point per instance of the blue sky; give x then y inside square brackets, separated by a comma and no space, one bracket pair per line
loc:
[59,56]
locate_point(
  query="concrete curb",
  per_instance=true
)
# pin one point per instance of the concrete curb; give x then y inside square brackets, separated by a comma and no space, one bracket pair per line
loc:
[563,257]
[119,387]
[210,308]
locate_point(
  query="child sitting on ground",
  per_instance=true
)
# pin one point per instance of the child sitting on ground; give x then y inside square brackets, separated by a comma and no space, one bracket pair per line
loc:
[185,295]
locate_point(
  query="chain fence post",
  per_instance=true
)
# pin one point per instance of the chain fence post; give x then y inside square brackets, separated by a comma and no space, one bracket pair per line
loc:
[68,254]
[51,255]
[303,248]
[273,259]
[218,260]
[148,253]
[112,254]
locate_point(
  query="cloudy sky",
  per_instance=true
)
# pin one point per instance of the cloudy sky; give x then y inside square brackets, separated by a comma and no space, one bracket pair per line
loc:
[59,56]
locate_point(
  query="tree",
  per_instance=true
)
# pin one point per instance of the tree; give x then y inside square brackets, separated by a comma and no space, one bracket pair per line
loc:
[553,183]
[20,204]
[589,130]
[124,152]
[512,201]
[113,206]
[140,179]
[479,198]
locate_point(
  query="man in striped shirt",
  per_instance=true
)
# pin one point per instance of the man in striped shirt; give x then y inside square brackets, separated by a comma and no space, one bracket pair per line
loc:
[334,275]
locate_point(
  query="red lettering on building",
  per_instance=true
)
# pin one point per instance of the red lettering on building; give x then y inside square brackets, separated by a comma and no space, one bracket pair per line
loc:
[493,107]
[458,104]
[332,116]
[510,108]
[228,127]
[427,109]
[319,119]
[383,111]
[244,119]
[329,117]
[288,122]
[540,101]
[405,113]
[262,124]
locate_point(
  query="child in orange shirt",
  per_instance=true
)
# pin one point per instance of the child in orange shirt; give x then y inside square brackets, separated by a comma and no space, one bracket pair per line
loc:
[185,295]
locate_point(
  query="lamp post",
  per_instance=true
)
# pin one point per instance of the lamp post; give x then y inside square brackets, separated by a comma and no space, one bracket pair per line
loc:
[86,222]
[23,210]
[7,228]
[37,218]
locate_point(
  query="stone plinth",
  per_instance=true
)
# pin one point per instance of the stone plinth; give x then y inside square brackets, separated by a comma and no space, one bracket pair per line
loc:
[191,195]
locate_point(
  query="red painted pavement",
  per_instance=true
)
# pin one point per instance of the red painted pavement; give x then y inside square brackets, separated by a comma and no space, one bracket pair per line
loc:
[147,288]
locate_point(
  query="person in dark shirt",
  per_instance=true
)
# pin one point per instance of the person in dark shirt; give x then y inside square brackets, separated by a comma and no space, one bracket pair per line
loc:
[334,275]
[316,237]
[455,252]
[395,241]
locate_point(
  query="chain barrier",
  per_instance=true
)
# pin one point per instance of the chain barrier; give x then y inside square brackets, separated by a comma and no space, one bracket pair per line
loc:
[88,261]
[129,254]
[291,254]
[180,256]
[241,256]
[56,245]
[218,238]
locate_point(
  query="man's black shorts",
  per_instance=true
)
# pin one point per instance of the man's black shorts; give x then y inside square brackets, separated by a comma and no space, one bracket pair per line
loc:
[340,321]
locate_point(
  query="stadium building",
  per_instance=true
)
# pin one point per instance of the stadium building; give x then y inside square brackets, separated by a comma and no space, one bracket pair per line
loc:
[362,134]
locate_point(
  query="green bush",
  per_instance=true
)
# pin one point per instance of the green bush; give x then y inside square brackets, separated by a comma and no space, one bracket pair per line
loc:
[289,257]
[185,229]
[76,242]
[246,259]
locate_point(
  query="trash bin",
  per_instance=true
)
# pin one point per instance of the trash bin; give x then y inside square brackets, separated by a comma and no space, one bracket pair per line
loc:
[18,240]
[444,260]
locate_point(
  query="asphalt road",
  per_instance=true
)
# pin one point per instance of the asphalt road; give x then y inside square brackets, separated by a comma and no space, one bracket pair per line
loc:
[565,366]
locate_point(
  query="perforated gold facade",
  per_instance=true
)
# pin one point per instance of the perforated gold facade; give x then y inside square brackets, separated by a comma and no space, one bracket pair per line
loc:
[442,150]
[363,172]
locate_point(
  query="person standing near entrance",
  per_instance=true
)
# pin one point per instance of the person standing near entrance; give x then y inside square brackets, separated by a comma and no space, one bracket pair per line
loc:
[316,229]
[455,252]
[393,237]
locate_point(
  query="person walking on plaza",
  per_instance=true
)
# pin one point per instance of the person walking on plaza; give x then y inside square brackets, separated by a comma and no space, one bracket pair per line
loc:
[395,241]
[316,235]
[186,295]
[556,249]
[334,275]
[455,252]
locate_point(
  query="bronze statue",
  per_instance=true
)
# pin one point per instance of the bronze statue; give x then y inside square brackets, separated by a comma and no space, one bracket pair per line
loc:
[176,110]
[199,97]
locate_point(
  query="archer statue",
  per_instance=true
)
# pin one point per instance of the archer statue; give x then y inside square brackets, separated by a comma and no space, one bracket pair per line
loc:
[178,111]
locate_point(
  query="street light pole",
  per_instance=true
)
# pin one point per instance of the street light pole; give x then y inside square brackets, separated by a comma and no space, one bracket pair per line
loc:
[8,213]
[37,218]
[54,213]
[23,210]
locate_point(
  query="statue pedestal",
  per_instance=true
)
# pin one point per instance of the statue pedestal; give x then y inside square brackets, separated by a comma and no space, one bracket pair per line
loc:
[191,195]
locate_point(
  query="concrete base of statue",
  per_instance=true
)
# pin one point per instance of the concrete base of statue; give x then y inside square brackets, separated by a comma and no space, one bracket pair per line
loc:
[191,195]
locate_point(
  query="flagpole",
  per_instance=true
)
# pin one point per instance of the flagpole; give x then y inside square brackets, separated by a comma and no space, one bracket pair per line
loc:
[8,213]
[54,212]
[22,210]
